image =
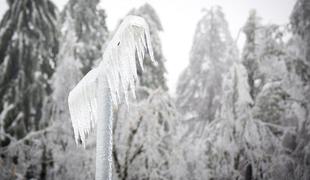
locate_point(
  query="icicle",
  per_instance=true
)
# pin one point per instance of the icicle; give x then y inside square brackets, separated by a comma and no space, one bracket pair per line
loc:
[118,68]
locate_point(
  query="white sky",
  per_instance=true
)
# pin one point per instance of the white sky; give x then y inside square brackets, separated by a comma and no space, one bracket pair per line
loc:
[179,19]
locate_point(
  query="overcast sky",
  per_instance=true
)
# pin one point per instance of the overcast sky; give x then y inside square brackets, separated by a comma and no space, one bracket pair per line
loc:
[179,19]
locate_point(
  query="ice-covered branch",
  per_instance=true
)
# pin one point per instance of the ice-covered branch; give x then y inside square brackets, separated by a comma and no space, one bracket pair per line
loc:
[91,101]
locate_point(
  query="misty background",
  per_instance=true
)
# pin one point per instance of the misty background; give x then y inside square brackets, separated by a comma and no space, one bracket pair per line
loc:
[179,19]
[229,98]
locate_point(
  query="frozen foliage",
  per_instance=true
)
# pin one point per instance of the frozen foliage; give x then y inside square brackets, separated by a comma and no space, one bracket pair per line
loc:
[27,62]
[87,22]
[259,127]
[244,120]
[249,56]
[28,47]
[301,24]
[144,137]
[213,52]
[118,68]
[219,144]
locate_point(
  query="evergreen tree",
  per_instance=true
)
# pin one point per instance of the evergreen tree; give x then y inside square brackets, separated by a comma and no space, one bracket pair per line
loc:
[270,87]
[300,20]
[250,51]
[28,49]
[144,137]
[27,60]
[298,63]
[244,146]
[280,100]
[264,57]
[90,32]
[300,25]
[213,52]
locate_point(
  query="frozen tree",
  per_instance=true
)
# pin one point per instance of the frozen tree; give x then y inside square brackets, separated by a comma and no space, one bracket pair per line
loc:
[213,52]
[28,50]
[263,51]
[28,47]
[250,51]
[91,101]
[224,140]
[298,88]
[90,31]
[220,145]
[263,54]
[300,24]
[279,98]
[236,145]
[259,127]
[154,75]
[270,92]
[300,21]
[144,136]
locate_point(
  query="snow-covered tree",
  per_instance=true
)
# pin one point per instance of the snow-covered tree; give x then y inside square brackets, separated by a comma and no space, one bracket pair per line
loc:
[298,87]
[28,47]
[235,145]
[300,25]
[154,75]
[269,88]
[300,22]
[279,98]
[264,137]
[301,43]
[264,57]
[250,51]
[213,52]
[87,22]
[144,136]
[263,54]
[27,56]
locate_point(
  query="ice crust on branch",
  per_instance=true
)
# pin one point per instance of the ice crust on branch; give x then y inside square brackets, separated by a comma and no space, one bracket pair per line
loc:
[117,68]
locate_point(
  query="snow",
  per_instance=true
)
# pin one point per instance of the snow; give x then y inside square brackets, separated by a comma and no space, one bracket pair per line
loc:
[243,87]
[205,65]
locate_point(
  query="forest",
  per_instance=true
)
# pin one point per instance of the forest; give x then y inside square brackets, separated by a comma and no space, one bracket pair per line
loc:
[236,115]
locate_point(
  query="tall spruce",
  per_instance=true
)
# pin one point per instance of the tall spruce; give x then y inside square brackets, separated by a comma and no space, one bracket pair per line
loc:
[87,22]
[213,52]
[28,47]
[249,56]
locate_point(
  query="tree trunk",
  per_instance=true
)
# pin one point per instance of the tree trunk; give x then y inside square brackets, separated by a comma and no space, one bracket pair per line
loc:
[248,172]
[104,133]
